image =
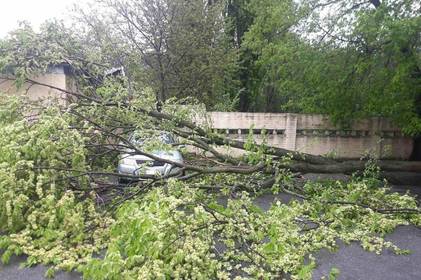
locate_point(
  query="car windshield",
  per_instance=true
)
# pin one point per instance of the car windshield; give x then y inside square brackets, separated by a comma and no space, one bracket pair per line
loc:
[165,138]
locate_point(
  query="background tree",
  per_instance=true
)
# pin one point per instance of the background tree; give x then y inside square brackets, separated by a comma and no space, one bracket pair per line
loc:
[179,48]
[240,18]
[374,49]
[270,55]
[315,56]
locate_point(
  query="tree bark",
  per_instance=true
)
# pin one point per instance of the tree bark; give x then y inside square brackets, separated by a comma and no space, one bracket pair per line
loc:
[348,167]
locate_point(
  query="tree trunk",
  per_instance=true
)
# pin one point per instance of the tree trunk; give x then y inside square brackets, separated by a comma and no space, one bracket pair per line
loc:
[348,167]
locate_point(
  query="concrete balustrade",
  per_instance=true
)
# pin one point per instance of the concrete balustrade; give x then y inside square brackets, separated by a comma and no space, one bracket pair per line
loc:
[316,134]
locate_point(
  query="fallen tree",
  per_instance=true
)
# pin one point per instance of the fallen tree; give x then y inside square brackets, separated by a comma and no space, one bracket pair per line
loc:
[59,191]
[206,140]
[61,202]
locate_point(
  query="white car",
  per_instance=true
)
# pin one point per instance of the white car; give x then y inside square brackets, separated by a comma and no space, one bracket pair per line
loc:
[135,164]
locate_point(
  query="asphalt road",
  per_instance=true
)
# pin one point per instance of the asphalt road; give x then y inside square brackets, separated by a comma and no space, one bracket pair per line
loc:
[353,262]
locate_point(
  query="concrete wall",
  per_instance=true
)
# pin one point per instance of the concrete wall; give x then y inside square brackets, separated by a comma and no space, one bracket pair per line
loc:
[315,134]
[56,77]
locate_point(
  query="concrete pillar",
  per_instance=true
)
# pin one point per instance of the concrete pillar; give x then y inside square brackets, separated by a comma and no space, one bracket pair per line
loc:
[291,132]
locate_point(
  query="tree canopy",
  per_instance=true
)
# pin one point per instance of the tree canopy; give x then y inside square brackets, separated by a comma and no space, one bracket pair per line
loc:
[316,56]
[263,56]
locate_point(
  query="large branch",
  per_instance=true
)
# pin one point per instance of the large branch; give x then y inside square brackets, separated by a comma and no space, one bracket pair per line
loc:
[209,138]
[301,162]
[348,167]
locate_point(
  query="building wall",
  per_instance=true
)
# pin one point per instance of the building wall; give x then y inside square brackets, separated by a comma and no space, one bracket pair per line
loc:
[315,134]
[56,77]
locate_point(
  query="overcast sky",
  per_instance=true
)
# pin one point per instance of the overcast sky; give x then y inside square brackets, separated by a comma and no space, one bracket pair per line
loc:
[34,11]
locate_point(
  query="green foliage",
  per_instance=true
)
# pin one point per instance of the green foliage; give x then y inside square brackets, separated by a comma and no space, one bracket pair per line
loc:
[177,230]
[25,53]
[365,57]
[182,232]
[378,75]
[40,214]
[159,236]
[275,55]
[255,153]
[334,273]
